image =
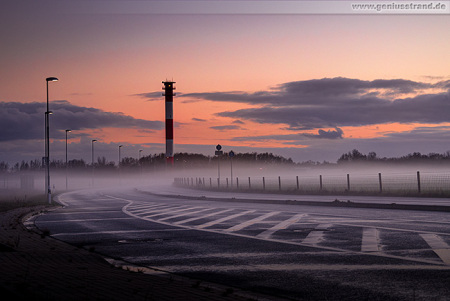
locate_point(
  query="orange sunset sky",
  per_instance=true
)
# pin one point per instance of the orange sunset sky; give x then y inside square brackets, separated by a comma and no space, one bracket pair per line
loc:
[304,86]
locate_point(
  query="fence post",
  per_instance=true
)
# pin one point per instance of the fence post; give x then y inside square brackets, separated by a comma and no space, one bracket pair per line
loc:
[249,183]
[264,183]
[418,182]
[348,182]
[210,182]
[227,182]
[218,182]
[279,183]
[379,181]
[298,186]
[237,183]
[320,180]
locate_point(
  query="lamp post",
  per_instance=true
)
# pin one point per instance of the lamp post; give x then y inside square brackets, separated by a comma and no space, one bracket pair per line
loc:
[92,180]
[67,131]
[139,161]
[47,155]
[47,143]
[231,155]
[120,146]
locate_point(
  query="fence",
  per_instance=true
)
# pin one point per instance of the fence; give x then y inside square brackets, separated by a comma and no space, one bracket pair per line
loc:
[436,184]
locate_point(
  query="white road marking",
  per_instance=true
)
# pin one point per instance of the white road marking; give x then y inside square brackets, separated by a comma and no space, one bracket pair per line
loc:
[281,226]
[144,209]
[439,246]
[269,232]
[215,222]
[296,267]
[251,222]
[84,220]
[114,232]
[316,236]
[183,214]
[370,240]
[168,211]
[201,217]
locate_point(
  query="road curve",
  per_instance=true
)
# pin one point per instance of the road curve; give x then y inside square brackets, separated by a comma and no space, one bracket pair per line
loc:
[289,251]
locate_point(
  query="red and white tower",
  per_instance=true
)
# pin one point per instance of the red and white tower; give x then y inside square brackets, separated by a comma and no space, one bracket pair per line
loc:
[168,93]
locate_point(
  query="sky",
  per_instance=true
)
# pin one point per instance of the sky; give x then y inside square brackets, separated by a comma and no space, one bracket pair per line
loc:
[299,80]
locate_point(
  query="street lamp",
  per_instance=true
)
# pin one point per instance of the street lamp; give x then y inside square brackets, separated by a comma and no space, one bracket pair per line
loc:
[120,146]
[92,178]
[47,143]
[93,153]
[140,164]
[67,131]
[231,155]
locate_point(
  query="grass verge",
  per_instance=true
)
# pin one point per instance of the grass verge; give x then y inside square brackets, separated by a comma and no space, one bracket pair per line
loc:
[16,198]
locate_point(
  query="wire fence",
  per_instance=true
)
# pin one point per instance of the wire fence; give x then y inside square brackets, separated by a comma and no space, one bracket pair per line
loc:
[425,183]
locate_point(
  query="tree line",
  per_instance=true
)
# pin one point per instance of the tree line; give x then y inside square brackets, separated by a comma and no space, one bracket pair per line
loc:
[181,160]
[357,156]
[192,160]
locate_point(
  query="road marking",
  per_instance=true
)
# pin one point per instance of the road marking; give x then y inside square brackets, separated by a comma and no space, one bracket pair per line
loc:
[183,214]
[439,246]
[168,211]
[215,222]
[159,209]
[143,209]
[268,233]
[370,240]
[83,220]
[201,217]
[295,267]
[114,232]
[316,235]
[281,226]
[251,222]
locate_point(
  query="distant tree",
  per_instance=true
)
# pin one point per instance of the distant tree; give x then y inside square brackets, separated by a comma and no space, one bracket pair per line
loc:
[4,166]
[76,163]
[24,166]
[129,162]
[35,164]
[354,155]
[372,156]
[103,164]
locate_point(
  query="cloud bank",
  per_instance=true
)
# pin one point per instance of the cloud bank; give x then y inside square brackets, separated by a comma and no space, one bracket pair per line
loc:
[25,121]
[338,102]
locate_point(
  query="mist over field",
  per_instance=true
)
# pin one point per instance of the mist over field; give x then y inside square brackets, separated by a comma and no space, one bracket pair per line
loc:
[344,177]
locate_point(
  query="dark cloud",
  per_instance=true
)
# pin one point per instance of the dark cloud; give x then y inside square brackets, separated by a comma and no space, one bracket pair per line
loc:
[336,134]
[238,122]
[337,102]
[225,127]
[198,119]
[151,96]
[26,120]
[345,102]
[292,138]
[316,91]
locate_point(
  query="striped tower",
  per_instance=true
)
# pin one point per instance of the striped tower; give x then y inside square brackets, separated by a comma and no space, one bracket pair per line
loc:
[168,93]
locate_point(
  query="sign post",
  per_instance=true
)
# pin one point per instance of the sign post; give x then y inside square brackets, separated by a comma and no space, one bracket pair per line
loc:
[218,153]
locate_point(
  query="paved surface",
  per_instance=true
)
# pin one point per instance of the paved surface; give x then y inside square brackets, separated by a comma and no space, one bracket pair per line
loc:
[314,253]
[37,267]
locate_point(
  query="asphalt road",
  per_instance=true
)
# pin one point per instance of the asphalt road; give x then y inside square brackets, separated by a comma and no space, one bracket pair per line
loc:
[296,252]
